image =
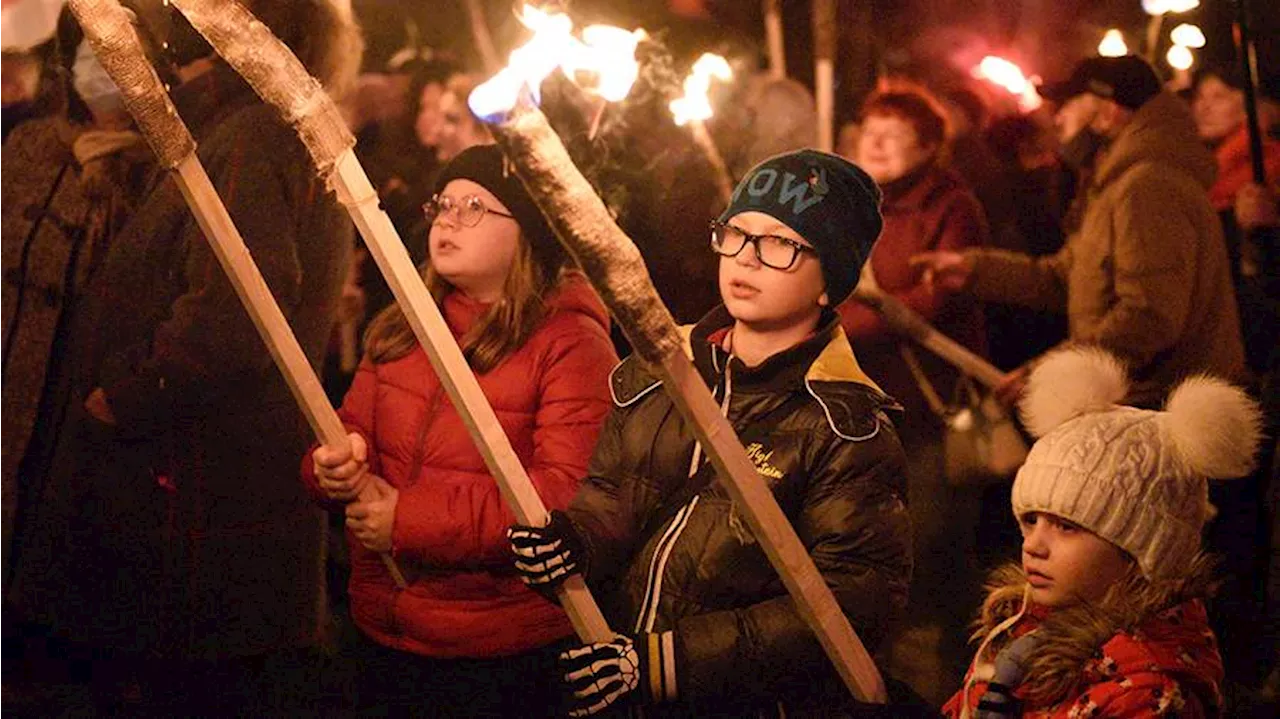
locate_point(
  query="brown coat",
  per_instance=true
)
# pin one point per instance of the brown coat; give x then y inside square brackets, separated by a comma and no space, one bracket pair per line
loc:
[181,530]
[67,189]
[1147,276]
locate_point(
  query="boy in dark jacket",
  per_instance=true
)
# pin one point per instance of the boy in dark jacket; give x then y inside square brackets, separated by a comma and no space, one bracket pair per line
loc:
[708,627]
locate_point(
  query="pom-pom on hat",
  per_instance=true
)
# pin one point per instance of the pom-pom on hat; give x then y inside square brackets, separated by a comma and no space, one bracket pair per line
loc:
[1135,477]
[831,202]
[485,166]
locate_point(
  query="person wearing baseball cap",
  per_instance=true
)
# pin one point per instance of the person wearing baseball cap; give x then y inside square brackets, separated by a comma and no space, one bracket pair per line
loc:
[1145,275]
[704,626]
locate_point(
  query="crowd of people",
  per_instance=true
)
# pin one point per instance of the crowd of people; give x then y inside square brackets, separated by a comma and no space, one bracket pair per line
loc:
[177,543]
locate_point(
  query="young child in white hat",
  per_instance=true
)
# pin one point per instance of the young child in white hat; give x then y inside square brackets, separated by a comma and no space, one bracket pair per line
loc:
[1105,616]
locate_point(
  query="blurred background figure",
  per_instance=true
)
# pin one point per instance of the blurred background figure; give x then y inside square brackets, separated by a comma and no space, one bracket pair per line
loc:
[72,179]
[19,83]
[902,144]
[1248,210]
[458,129]
[169,548]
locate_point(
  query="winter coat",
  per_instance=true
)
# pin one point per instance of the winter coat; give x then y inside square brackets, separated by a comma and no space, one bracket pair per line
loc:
[1147,276]
[67,190]
[818,432]
[181,530]
[929,210]
[551,395]
[1150,655]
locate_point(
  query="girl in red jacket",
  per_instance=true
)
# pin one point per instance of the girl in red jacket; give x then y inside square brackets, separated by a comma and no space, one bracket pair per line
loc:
[466,637]
[1105,617]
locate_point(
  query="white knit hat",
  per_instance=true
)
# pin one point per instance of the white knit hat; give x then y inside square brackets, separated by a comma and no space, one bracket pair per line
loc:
[1134,477]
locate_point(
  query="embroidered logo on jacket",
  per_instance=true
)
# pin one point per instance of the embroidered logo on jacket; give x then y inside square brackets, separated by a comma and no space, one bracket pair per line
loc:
[760,458]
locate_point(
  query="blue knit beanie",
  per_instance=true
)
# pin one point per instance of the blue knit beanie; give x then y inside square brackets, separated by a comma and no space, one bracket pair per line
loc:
[831,202]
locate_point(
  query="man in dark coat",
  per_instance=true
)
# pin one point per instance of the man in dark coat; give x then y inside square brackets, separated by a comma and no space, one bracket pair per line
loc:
[171,526]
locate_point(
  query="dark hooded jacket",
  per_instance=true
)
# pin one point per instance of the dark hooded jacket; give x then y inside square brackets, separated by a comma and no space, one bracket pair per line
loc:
[818,431]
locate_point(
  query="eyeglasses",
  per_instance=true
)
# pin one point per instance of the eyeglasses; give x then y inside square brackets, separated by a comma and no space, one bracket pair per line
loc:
[467,211]
[780,253]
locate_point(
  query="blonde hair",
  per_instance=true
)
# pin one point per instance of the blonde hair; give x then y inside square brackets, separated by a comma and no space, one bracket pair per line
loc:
[498,333]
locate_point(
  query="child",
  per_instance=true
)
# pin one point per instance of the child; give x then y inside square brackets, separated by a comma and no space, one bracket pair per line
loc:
[1106,617]
[707,628]
[466,638]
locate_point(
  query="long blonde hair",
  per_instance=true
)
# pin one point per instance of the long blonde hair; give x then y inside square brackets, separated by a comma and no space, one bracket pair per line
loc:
[498,333]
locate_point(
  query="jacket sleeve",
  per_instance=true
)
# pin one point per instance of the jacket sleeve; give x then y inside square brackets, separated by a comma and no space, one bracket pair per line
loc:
[356,414]
[208,346]
[1148,695]
[1154,268]
[464,523]
[854,522]
[961,225]
[1019,279]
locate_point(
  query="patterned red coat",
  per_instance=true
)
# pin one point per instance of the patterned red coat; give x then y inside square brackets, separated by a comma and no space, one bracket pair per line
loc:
[1168,666]
[551,397]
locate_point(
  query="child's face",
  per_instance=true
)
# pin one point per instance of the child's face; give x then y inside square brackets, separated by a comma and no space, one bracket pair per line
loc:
[1065,563]
[770,299]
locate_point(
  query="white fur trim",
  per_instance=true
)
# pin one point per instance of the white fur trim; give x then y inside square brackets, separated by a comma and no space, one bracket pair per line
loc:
[1214,426]
[1068,383]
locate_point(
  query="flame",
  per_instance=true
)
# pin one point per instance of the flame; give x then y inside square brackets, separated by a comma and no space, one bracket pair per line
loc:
[602,62]
[694,104]
[1160,7]
[1001,72]
[1187,35]
[1113,45]
[1180,58]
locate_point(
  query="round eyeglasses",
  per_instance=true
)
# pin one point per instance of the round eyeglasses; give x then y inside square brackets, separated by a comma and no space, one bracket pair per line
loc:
[467,211]
[774,251]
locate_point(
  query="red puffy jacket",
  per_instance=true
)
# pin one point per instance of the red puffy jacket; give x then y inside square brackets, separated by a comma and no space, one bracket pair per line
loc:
[551,396]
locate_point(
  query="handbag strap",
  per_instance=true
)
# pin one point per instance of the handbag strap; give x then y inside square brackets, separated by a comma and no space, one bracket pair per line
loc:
[927,389]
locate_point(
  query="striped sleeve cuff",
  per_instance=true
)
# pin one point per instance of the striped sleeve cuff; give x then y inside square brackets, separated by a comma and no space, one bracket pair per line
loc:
[661,669]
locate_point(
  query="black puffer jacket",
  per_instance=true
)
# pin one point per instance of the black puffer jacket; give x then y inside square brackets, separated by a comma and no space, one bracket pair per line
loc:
[817,430]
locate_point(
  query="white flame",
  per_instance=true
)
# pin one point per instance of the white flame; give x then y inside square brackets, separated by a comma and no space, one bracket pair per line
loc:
[1179,57]
[1187,35]
[1113,44]
[1160,7]
[602,62]
[694,104]
[1001,72]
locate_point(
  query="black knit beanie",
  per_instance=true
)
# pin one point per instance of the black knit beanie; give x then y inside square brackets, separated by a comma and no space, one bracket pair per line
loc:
[831,202]
[485,166]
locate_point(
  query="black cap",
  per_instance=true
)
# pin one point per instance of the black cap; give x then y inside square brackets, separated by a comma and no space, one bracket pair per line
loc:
[1128,80]
[485,166]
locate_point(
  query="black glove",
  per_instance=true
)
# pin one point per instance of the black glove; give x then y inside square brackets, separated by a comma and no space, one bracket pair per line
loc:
[631,670]
[546,555]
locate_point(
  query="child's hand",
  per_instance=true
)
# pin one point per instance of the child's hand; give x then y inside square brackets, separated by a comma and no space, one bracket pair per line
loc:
[342,473]
[372,521]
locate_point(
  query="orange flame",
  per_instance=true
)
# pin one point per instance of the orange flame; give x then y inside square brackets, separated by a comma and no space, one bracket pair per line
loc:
[1001,72]
[694,104]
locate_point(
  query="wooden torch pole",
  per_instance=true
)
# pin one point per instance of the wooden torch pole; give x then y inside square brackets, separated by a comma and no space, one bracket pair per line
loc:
[773,34]
[276,74]
[615,267]
[111,35]
[824,52]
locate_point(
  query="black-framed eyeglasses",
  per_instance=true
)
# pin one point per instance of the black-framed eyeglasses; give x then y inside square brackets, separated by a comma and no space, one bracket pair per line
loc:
[467,211]
[774,251]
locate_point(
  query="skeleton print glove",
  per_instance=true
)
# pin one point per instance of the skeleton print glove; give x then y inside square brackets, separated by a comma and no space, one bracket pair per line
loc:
[546,555]
[641,669]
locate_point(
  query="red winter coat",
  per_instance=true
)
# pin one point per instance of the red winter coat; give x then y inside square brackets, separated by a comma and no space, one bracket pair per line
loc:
[551,396]
[1168,667]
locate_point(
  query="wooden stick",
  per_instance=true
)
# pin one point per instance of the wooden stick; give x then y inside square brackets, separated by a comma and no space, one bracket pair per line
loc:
[824,53]
[909,323]
[110,33]
[702,138]
[773,32]
[484,40]
[277,75]
[615,267]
